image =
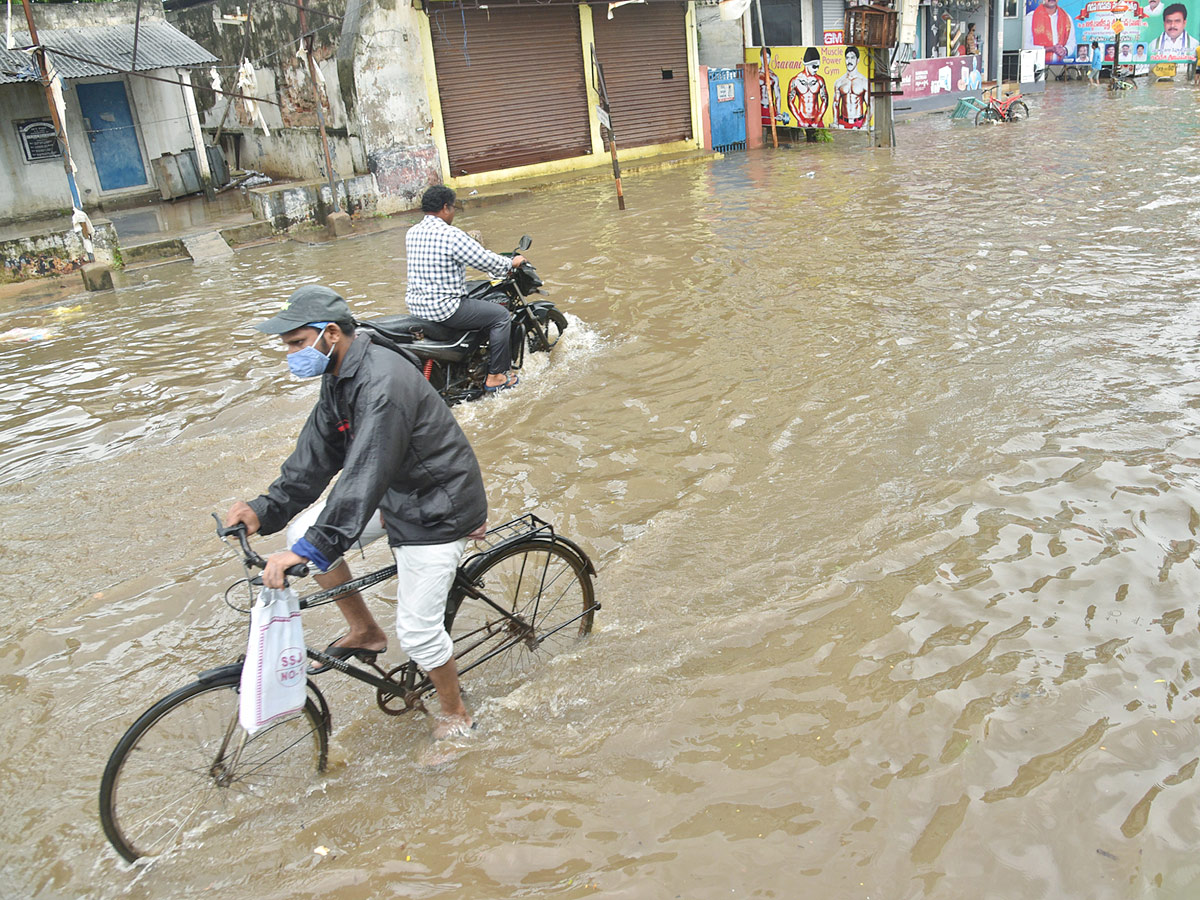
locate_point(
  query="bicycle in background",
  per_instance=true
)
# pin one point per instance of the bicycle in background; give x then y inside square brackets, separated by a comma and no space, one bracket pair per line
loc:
[1011,109]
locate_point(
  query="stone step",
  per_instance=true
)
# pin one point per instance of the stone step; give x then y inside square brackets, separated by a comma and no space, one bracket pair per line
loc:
[206,247]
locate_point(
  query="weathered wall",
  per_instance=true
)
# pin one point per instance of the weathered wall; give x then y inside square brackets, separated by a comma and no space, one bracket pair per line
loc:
[39,189]
[79,15]
[378,120]
[718,44]
[27,189]
[32,190]
[299,203]
[159,118]
[161,115]
[270,39]
[392,102]
[54,253]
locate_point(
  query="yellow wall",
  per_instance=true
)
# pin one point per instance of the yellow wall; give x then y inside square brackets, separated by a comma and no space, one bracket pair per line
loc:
[598,156]
[438,127]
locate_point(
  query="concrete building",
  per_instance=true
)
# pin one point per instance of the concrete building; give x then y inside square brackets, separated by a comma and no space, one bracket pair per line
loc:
[117,124]
[467,93]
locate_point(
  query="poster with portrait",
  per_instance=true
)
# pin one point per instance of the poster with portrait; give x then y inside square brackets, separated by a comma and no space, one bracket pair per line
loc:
[815,87]
[1128,31]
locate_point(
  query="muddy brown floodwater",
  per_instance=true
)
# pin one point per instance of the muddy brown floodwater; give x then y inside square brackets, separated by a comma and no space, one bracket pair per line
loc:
[890,467]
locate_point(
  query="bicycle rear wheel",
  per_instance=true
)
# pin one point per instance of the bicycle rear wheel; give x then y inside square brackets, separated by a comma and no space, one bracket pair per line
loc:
[186,764]
[1018,111]
[546,586]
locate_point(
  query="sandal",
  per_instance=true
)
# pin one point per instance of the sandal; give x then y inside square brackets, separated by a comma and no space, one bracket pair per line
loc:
[344,653]
[513,381]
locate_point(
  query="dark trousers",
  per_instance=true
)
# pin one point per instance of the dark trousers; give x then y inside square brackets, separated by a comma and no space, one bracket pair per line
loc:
[472,314]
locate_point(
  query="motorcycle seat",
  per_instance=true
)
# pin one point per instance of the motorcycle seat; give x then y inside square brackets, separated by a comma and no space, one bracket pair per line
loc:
[404,328]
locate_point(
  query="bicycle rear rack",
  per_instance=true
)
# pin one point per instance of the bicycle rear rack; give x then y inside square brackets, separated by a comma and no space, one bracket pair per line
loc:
[519,528]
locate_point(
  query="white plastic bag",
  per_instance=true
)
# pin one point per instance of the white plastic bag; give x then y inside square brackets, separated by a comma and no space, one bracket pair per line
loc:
[274,674]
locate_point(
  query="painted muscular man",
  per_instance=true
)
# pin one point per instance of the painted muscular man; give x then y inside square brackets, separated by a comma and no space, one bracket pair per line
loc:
[808,98]
[851,94]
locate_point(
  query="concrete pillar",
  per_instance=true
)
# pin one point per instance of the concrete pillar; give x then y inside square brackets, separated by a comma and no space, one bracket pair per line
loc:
[880,71]
[97,277]
[338,224]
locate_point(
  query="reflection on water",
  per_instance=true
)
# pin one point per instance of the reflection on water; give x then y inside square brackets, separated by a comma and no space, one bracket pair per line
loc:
[890,475]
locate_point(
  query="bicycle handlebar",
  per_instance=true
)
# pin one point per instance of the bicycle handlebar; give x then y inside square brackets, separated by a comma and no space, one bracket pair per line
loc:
[251,558]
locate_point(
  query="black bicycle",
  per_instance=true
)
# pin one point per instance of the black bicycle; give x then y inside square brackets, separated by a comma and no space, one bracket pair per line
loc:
[187,766]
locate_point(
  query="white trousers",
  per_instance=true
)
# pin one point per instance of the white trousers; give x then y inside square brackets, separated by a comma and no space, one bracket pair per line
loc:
[424,574]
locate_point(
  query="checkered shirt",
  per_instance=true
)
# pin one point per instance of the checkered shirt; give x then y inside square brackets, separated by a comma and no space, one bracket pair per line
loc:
[438,256]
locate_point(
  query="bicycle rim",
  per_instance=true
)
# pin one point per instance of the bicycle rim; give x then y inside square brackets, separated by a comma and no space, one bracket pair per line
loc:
[186,768]
[546,586]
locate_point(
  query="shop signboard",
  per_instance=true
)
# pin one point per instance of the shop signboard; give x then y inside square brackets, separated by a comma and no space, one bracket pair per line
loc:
[816,87]
[941,75]
[1127,31]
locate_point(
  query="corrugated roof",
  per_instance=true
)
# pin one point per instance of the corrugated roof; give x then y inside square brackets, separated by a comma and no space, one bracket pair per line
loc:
[106,48]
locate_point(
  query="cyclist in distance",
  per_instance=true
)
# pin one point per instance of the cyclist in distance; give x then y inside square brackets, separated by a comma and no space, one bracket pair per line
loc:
[407,471]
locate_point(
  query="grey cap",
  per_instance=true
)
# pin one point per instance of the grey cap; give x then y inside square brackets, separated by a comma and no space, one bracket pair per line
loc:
[308,304]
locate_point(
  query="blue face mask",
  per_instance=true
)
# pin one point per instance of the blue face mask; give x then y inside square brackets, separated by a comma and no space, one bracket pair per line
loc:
[309,362]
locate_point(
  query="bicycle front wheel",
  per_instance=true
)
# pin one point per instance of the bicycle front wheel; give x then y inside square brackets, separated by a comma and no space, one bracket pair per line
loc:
[187,765]
[546,589]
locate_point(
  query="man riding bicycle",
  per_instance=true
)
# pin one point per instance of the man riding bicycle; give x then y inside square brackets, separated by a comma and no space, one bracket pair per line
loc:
[407,471]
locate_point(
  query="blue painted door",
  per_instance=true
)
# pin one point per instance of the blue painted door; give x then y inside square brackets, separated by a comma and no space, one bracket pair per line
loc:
[111,133]
[727,108]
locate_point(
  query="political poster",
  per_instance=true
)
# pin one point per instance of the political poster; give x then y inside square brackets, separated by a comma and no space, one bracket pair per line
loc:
[815,87]
[1125,31]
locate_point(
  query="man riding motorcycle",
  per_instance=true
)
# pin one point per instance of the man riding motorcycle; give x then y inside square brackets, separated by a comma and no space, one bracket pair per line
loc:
[438,256]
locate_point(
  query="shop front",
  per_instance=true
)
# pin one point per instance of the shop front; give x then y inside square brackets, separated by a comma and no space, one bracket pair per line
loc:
[513,91]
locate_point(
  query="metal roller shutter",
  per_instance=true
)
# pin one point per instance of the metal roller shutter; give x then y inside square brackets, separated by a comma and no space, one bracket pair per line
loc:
[511,85]
[643,50]
[833,16]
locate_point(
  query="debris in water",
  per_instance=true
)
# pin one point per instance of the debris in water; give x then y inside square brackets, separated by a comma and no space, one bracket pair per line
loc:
[20,335]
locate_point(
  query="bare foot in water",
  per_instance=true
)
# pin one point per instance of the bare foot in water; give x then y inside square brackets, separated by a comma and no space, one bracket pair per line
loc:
[452,727]
[451,739]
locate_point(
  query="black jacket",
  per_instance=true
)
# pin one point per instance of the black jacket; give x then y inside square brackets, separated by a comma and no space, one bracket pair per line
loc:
[399,449]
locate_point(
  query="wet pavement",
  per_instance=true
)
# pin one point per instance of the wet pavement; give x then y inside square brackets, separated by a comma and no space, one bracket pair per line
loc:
[888,462]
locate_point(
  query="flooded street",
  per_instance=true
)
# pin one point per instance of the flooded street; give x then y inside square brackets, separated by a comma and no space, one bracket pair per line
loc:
[889,464]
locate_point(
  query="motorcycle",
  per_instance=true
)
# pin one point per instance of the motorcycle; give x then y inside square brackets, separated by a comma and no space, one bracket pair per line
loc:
[456,362]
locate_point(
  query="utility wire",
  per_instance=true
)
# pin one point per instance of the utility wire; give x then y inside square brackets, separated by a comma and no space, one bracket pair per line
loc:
[119,71]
